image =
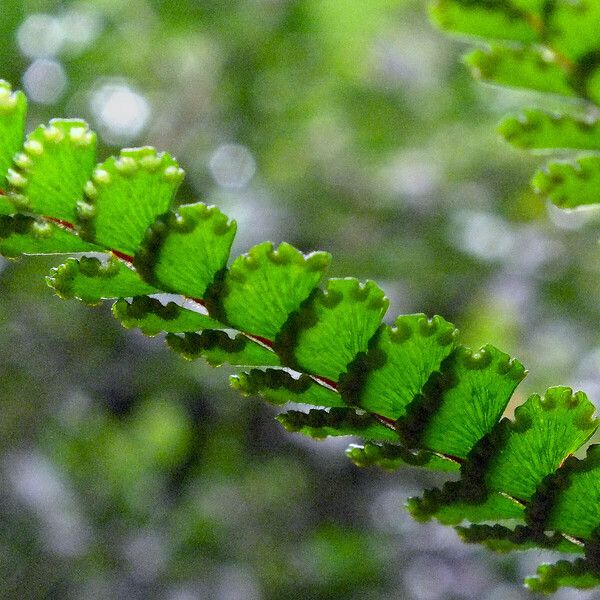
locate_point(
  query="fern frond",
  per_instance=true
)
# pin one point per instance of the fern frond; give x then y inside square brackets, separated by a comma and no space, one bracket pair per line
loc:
[409,391]
[548,47]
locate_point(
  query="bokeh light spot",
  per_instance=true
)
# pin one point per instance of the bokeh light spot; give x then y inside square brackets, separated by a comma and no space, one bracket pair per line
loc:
[45,81]
[40,35]
[121,112]
[232,166]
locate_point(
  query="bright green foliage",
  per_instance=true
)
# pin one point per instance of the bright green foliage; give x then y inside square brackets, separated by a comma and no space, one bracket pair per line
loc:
[527,68]
[449,509]
[545,431]
[6,206]
[404,356]
[216,347]
[573,27]
[551,47]
[13,109]
[338,421]
[263,287]
[541,130]
[392,457]
[20,234]
[408,391]
[503,539]
[337,324]
[125,196]
[577,510]
[91,280]
[67,150]
[563,574]
[570,184]
[484,19]
[478,389]
[517,458]
[185,250]
[153,317]
[279,387]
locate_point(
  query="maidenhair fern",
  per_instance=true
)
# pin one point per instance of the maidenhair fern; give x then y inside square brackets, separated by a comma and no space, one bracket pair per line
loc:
[409,390]
[549,47]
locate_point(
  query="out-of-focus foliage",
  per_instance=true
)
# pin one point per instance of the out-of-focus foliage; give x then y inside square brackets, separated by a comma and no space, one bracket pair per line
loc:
[351,129]
[548,47]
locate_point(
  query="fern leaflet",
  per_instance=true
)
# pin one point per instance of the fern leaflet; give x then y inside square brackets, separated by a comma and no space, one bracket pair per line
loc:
[409,390]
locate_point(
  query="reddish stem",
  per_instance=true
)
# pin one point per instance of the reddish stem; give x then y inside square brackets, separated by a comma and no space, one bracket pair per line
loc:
[330,383]
[65,224]
[122,256]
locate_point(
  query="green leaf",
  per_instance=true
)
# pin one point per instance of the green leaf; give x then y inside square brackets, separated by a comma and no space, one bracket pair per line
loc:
[126,195]
[487,19]
[541,130]
[528,68]
[20,234]
[333,327]
[392,457]
[478,387]
[445,506]
[510,464]
[153,317]
[90,280]
[279,387]
[50,173]
[403,358]
[574,28]
[577,574]
[263,287]
[570,184]
[545,431]
[503,539]
[576,509]
[185,250]
[13,110]
[531,7]
[320,424]
[217,348]
[6,206]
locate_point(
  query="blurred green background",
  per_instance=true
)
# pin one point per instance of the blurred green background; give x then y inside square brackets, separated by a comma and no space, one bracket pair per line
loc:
[346,126]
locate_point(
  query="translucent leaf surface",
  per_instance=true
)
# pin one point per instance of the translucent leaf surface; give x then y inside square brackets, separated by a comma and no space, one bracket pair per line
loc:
[538,129]
[13,110]
[392,457]
[335,326]
[153,317]
[477,387]
[217,348]
[6,206]
[49,174]
[528,68]
[90,280]
[263,287]
[20,234]
[574,27]
[450,511]
[184,250]
[499,20]
[570,184]
[125,195]
[404,356]
[545,431]
[279,387]
[576,510]
[503,539]
[575,574]
[336,422]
